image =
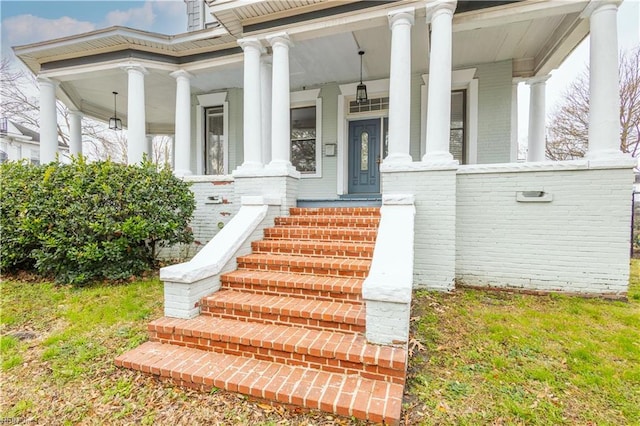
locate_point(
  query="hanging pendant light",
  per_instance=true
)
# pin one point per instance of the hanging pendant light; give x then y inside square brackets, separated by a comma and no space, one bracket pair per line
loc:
[114,122]
[361,91]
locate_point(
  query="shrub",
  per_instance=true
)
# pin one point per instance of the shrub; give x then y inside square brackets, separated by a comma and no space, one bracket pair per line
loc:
[17,190]
[90,221]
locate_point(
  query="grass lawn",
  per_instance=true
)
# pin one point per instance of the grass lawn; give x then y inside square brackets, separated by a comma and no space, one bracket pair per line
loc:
[478,358]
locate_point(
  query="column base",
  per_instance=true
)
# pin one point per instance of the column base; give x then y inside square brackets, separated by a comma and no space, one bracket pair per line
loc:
[267,183]
[282,168]
[249,169]
[439,158]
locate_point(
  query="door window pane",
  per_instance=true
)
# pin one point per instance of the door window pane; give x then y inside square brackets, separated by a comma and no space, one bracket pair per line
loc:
[214,140]
[303,139]
[364,151]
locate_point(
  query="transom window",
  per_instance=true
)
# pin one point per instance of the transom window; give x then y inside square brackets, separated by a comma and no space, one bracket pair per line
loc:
[377,104]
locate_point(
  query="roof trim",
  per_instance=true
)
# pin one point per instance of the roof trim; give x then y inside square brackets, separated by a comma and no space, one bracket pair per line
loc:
[138,54]
[169,40]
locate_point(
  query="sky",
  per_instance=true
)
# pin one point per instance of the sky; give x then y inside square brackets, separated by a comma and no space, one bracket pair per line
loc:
[28,21]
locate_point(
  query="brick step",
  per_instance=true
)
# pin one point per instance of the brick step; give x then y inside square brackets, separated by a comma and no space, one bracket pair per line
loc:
[344,211]
[348,290]
[341,221]
[345,395]
[314,314]
[333,267]
[322,350]
[320,234]
[361,250]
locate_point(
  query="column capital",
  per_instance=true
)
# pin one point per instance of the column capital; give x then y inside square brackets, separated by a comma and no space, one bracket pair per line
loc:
[437,7]
[404,16]
[76,113]
[539,79]
[181,74]
[134,68]
[281,39]
[47,81]
[599,5]
[251,42]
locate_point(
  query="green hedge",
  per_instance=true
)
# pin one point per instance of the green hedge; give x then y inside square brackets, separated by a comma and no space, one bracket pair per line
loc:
[86,221]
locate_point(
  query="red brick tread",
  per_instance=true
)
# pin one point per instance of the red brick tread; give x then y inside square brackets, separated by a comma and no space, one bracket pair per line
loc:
[335,267]
[361,249]
[326,220]
[281,310]
[295,285]
[321,233]
[345,395]
[323,350]
[346,211]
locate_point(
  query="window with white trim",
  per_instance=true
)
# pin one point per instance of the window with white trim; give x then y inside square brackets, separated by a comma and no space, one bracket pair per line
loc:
[457,141]
[214,138]
[306,132]
[304,144]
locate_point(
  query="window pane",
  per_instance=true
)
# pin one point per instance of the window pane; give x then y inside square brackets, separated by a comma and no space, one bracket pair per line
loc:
[303,139]
[303,155]
[214,141]
[457,144]
[364,151]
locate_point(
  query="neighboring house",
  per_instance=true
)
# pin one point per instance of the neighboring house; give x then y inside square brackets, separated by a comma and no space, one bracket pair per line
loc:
[266,102]
[20,143]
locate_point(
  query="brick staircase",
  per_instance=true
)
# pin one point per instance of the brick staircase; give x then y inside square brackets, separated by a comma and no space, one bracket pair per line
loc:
[287,325]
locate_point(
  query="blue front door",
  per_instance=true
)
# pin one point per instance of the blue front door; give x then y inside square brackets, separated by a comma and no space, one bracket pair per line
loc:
[364,157]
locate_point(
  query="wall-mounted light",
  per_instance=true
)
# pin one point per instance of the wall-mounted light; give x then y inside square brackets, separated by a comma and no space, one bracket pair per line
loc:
[114,122]
[361,90]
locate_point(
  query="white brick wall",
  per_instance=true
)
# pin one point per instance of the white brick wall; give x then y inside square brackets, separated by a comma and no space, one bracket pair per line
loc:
[578,242]
[435,222]
[216,203]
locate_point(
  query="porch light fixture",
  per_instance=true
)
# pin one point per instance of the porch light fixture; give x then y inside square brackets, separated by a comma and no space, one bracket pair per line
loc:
[361,91]
[114,122]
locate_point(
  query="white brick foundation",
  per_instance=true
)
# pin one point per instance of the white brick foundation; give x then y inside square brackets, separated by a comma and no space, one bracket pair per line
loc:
[387,289]
[575,238]
[186,283]
[216,203]
[434,190]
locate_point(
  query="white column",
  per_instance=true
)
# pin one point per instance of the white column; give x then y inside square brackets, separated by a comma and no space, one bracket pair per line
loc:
[136,121]
[604,99]
[252,116]
[400,23]
[75,133]
[537,114]
[265,86]
[440,14]
[513,153]
[280,104]
[183,123]
[48,121]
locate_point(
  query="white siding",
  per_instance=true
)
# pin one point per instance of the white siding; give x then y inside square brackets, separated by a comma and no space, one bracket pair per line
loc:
[494,112]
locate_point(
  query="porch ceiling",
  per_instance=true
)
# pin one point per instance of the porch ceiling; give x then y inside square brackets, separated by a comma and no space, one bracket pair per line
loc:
[534,39]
